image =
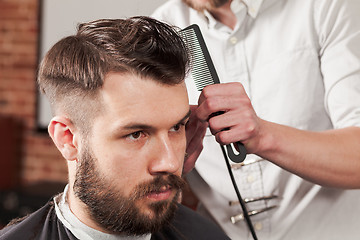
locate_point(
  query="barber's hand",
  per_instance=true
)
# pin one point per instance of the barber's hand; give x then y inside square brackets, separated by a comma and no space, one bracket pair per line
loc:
[195,132]
[239,121]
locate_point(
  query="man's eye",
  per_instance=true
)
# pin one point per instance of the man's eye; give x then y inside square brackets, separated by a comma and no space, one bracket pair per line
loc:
[135,135]
[177,127]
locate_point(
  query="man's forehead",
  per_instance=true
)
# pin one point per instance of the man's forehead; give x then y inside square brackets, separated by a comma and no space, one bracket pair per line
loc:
[131,100]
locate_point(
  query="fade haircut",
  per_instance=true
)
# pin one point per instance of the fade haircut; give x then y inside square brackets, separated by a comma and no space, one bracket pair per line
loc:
[73,70]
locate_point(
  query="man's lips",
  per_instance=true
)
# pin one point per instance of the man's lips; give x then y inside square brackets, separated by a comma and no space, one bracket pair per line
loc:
[163,193]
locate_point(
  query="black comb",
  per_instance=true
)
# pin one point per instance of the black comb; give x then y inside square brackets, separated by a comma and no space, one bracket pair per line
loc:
[204,73]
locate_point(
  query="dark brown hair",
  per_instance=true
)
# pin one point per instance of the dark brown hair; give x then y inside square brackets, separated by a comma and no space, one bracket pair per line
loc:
[75,67]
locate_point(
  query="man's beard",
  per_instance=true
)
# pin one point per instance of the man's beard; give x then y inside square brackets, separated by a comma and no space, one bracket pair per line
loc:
[117,213]
[211,4]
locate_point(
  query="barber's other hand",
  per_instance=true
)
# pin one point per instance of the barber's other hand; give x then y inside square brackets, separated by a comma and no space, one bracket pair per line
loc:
[195,132]
[239,121]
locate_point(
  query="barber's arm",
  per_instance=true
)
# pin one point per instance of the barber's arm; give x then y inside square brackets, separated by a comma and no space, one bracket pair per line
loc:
[329,158]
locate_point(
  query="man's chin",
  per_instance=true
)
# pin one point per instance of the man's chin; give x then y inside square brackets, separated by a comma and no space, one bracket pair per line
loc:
[155,209]
[205,5]
[152,216]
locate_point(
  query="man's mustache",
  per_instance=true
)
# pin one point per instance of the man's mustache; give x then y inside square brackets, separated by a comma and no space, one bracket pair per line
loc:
[157,185]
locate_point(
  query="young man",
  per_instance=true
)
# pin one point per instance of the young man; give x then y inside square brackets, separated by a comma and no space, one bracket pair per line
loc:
[120,108]
[291,94]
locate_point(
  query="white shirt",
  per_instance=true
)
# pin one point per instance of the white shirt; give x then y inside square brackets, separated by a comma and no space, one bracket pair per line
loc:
[299,61]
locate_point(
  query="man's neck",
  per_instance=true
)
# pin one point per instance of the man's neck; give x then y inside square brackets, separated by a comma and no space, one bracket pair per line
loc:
[225,15]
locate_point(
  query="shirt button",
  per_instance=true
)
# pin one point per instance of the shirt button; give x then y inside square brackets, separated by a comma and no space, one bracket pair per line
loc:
[258,226]
[252,11]
[250,179]
[233,40]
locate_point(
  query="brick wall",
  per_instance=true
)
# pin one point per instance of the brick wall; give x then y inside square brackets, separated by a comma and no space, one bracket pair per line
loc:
[19,27]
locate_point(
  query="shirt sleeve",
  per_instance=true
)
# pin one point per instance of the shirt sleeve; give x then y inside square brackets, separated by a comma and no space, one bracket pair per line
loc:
[338,25]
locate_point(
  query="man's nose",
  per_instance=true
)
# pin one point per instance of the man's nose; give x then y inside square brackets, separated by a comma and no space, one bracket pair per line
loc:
[166,157]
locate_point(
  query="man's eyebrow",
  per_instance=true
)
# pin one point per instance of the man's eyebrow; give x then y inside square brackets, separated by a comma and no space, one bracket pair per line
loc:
[185,117]
[145,126]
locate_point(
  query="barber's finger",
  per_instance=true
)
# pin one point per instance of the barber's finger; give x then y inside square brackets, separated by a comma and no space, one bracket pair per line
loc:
[208,109]
[194,147]
[224,89]
[243,132]
[192,124]
[229,100]
[229,119]
[191,159]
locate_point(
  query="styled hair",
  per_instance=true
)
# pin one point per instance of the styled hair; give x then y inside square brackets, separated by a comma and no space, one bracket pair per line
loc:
[74,69]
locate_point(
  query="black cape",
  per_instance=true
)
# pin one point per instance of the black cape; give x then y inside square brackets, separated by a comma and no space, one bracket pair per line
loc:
[45,225]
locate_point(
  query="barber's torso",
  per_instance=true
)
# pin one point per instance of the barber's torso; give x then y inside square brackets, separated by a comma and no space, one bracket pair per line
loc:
[287,56]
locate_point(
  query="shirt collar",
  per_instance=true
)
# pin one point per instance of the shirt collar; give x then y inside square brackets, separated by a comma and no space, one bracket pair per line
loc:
[253,8]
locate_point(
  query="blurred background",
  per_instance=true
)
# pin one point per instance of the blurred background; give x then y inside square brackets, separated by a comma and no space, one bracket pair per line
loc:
[31,168]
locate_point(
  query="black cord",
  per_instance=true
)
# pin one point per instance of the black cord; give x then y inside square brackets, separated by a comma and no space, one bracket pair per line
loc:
[241,201]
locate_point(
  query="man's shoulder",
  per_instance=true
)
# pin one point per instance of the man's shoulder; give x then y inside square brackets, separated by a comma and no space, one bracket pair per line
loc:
[42,224]
[187,224]
[25,226]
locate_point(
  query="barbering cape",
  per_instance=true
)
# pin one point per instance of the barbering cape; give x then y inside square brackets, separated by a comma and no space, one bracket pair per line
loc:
[45,225]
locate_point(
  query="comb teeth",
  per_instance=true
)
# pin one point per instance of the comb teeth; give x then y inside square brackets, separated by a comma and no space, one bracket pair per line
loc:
[202,69]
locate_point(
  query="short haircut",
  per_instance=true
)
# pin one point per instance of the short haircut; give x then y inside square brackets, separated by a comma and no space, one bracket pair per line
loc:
[74,69]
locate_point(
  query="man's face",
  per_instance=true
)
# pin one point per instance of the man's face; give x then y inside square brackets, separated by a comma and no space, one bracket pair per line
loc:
[201,5]
[130,166]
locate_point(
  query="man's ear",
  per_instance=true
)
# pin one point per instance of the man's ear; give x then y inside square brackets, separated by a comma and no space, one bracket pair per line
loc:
[62,132]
